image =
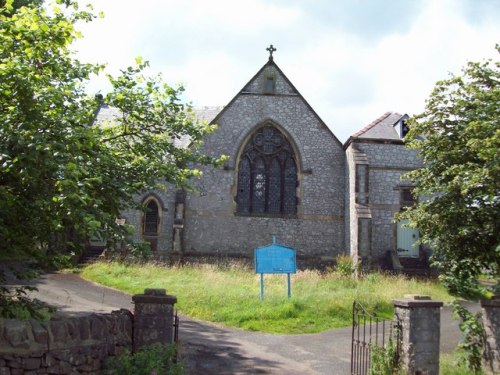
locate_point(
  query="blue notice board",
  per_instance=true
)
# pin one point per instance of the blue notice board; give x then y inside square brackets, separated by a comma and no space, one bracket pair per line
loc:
[275,258]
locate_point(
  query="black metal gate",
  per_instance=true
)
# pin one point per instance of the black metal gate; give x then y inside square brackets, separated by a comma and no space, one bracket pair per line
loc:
[176,328]
[368,331]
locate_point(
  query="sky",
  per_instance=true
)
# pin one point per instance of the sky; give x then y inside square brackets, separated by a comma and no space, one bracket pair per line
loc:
[352,60]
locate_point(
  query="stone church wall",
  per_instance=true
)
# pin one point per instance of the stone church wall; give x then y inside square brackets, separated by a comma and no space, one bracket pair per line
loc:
[328,220]
[166,201]
[318,230]
[387,163]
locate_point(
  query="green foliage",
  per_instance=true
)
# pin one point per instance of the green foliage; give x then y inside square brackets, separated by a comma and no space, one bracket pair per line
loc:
[458,137]
[385,360]
[471,345]
[345,265]
[14,300]
[449,364]
[11,6]
[154,359]
[14,304]
[319,301]
[64,177]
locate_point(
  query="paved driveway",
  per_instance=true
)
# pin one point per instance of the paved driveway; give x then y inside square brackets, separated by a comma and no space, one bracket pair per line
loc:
[211,349]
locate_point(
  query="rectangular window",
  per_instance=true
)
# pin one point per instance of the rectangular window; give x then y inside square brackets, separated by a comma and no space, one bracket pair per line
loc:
[406,198]
[362,186]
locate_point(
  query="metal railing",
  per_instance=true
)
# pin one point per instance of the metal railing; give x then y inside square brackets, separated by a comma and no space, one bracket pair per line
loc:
[369,331]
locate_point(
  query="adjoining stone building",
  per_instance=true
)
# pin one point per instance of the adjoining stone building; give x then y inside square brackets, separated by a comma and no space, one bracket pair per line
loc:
[375,191]
[287,176]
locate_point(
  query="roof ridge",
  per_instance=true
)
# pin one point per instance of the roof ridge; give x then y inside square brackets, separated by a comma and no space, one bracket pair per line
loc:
[372,124]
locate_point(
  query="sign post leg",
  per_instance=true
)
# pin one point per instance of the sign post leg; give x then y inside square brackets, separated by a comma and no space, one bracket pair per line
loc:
[261,286]
[289,287]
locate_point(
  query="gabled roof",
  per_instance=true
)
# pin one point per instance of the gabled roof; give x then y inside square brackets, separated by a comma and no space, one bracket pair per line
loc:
[207,113]
[291,91]
[382,129]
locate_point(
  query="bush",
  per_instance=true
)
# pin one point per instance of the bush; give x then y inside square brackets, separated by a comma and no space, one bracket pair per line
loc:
[385,360]
[470,347]
[345,266]
[156,359]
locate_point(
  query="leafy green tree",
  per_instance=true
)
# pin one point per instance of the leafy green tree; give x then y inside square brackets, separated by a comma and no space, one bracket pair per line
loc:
[64,177]
[458,136]
[16,4]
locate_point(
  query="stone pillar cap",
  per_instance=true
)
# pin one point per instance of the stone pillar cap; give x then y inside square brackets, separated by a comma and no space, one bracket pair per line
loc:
[154,295]
[417,297]
[155,292]
[415,300]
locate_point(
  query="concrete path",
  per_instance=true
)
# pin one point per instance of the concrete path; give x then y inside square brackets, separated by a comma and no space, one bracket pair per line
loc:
[210,349]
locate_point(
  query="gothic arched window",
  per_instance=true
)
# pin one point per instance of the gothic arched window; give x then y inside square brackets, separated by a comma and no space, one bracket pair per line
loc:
[267,175]
[151,219]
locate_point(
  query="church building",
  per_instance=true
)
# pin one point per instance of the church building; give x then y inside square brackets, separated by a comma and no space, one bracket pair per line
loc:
[287,176]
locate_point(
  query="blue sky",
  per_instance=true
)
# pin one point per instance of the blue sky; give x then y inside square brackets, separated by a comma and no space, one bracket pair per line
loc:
[352,60]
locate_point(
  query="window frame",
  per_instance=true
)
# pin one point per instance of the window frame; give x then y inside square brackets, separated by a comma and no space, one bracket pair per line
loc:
[146,203]
[283,157]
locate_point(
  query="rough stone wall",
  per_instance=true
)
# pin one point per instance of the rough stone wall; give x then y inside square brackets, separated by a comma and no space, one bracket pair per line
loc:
[153,318]
[75,345]
[166,201]
[491,323]
[419,318]
[388,162]
[318,230]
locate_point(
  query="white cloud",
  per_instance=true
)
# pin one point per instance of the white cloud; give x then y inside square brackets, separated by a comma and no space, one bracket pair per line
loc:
[349,73]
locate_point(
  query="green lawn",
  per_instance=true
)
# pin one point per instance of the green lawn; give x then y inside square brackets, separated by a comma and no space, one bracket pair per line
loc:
[231,296]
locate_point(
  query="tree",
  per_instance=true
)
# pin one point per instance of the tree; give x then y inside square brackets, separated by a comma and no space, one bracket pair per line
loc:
[65,177]
[13,5]
[458,136]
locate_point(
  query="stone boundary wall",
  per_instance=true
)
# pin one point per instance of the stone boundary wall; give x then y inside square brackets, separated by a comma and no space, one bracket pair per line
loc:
[491,323]
[64,345]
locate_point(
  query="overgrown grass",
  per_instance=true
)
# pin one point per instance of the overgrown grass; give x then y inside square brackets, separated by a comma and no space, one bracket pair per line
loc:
[230,296]
[449,365]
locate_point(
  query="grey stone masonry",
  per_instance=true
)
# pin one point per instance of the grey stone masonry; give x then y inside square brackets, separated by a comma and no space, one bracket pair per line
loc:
[491,323]
[213,225]
[153,318]
[74,345]
[419,318]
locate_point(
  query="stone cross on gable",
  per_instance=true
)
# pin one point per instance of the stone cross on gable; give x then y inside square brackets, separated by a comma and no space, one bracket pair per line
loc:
[271,49]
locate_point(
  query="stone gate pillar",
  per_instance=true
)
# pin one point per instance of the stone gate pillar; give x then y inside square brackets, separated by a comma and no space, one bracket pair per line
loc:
[153,318]
[491,323]
[419,317]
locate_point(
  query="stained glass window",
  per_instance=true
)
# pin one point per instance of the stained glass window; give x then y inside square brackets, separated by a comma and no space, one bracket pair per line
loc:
[274,187]
[290,187]
[244,179]
[259,186]
[267,175]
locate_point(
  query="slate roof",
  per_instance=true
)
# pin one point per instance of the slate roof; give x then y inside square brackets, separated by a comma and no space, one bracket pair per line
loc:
[381,128]
[207,113]
[107,113]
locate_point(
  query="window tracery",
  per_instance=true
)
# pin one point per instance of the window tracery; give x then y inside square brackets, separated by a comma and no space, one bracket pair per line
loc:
[267,175]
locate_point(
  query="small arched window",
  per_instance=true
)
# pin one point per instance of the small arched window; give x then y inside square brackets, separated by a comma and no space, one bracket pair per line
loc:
[151,218]
[267,175]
